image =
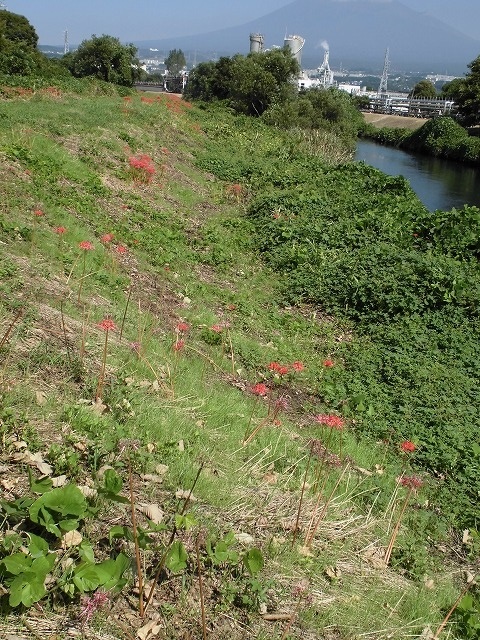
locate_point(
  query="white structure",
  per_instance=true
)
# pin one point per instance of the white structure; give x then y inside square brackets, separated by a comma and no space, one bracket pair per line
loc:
[324,72]
[305,82]
[256,43]
[352,89]
[295,44]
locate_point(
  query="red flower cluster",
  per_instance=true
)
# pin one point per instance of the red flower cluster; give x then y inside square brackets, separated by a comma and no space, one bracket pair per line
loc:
[178,345]
[60,230]
[328,363]
[298,366]
[281,369]
[411,482]
[407,446]
[38,213]
[330,420]
[86,245]
[106,238]
[183,326]
[121,249]
[107,324]
[142,168]
[260,389]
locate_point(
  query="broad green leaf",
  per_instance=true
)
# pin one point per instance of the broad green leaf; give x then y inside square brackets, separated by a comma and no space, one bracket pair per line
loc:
[37,546]
[176,557]
[17,563]
[39,486]
[26,589]
[85,551]
[112,481]
[57,507]
[121,564]
[253,561]
[88,577]
[188,521]
[120,532]
[44,564]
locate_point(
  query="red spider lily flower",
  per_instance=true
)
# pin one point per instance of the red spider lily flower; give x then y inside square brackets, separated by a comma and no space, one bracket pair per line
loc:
[328,363]
[106,238]
[273,366]
[298,366]
[407,446]
[183,326]
[86,245]
[277,423]
[60,230]
[107,324]
[411,482]
[178,345]
[282,370]
[38,213]
[121,249]
[259,389]
[330,420]
[231,307]
[217,328]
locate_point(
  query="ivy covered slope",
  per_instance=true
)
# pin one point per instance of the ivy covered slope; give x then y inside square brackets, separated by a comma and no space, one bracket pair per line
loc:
[238,381]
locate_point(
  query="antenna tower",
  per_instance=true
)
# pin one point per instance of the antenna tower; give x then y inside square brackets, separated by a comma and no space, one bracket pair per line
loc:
[66,48]
[384,79]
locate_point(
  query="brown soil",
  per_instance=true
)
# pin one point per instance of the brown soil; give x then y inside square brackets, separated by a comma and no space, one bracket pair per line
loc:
[396,122]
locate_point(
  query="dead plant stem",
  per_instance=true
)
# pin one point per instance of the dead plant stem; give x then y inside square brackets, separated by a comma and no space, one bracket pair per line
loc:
[200,586]
[138,562]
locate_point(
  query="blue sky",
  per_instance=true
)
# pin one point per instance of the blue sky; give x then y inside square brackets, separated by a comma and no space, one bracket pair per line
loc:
[134,20]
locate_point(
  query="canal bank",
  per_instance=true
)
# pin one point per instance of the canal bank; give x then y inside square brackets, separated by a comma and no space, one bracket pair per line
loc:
[380,120]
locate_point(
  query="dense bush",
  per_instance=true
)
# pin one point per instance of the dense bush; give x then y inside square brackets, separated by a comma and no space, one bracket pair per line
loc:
[442,137]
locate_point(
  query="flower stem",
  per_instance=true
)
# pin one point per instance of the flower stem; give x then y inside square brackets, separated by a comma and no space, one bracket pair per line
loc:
[393,537]
[101,377]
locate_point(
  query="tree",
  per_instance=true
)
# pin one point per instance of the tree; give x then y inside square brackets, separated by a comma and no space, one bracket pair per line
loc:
[175,61]
[466,95]
[106,58]
[250,84]
[423,89]
[18,45]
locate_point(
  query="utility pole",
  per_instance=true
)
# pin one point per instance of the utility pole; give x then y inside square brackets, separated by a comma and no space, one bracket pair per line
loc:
[66,47]
[384,79]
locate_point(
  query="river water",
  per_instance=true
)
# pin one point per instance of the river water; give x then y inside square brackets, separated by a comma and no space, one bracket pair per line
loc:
[440,184]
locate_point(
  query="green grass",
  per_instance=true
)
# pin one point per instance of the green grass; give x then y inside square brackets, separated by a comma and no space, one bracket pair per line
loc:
[192,256]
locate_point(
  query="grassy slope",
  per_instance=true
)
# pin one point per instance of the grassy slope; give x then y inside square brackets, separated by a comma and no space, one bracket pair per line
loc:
[189,259]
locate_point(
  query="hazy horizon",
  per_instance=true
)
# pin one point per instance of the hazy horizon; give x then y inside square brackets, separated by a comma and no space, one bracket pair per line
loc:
[146,20]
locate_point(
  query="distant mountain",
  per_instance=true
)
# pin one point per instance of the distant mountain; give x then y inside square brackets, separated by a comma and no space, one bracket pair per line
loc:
[463,15]
[357,32]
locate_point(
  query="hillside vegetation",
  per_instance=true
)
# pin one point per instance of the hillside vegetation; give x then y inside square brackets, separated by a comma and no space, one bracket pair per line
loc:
[238,381]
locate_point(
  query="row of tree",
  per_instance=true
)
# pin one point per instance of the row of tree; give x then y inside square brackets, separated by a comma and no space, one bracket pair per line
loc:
[465,92]
[254,84]
[103,57]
